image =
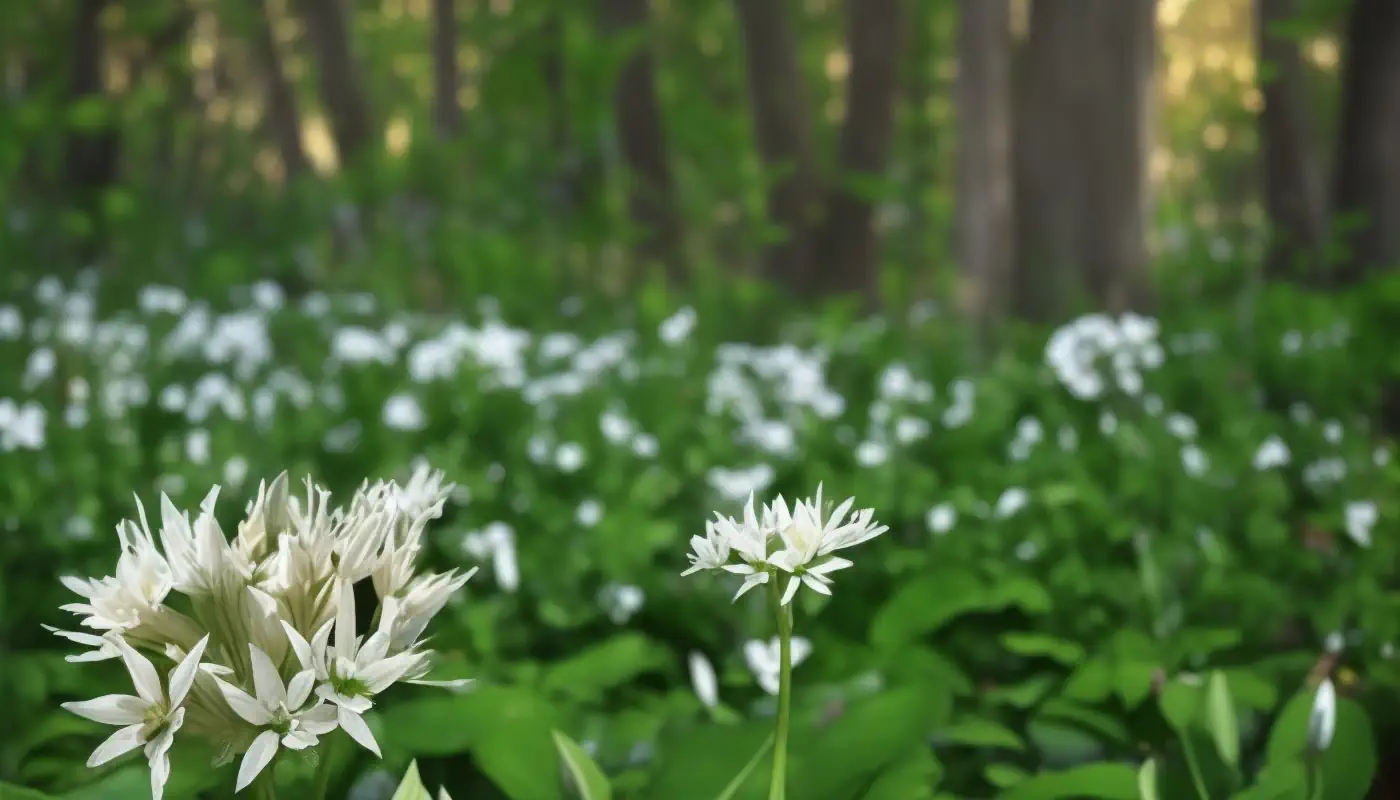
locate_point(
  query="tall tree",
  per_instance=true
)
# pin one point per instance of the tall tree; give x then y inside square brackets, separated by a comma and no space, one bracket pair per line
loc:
[283,118]
[782,122]
[984,231]
[447,113]
[1366,191]
[827,240]
[343,89]
[642,139]
[1294,199]
[846,244]
[1082,137]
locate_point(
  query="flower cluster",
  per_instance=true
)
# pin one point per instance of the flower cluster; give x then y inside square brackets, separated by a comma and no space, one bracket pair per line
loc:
[776,542]
[260,631]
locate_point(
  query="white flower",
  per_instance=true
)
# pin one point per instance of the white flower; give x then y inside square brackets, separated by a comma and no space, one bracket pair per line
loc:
[1322,721]
[806,538]
[201,559]
[151,718]
[703,680]
[1272,453]
[1011,501]
[765,659]
[1361,516]
[941,518]
[279,711]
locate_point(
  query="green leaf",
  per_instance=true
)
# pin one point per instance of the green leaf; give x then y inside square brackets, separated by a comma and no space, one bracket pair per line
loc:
[978,732]
[1039,645]
[1147,780]
[9,791]
[836,761]
[602,667]
[910,778]
[701,761]
[590,781]
[411,787]
[1004,776]
[508,730]
[742,778]
[1221,721]
[1348,766]
[1101,781]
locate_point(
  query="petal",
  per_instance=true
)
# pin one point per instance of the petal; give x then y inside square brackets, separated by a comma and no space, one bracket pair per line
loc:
[345,622]
[266,681]
[381,674]
[354,724]
[299,740]
[120,743]
[830,565]
[183,677]
[259,755]
[320,720]
[160,773]
[374,649]
[143,673]
[78,586]
[111,709]
[299,645]
[791,591]
[243,704]
[300,688]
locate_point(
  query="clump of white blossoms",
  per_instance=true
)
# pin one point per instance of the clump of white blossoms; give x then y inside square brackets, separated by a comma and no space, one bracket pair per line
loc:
[777,544]
[252,642]
[783,549]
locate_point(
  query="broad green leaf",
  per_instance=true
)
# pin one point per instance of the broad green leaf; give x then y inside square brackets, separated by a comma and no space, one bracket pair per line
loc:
[702,761]
[1004,776]
[1091,682]
[507,730]
[1034,644]
[9,791]
[411,787]
[873,731]
[1147,780]
[743,776]
[1062,745]
[924,605]
[978,732]
[597,669]
[589,780]
[1349,765]
[1181,704]
[910,778]
[1106,781]
[1221,720]
[1106,726]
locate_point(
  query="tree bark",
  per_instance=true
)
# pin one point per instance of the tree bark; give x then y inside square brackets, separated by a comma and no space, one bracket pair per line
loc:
[1292,176]
[642,141]
[782,127]
[343,89]
[984,229]
[1367,182]
[847,242]
[1081,141]
[283,118]
[447,114]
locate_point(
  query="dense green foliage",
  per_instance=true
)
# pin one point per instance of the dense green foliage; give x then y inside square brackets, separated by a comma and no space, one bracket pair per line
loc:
[1057,566]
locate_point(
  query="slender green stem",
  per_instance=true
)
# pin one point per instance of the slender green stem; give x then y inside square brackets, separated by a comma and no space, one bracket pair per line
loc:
[323,768]
[777,789]
[1315,773]
[1194,766]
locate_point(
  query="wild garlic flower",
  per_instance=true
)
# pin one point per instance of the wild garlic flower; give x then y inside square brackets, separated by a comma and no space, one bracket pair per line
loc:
[150,718]
[779,542]
[254,666]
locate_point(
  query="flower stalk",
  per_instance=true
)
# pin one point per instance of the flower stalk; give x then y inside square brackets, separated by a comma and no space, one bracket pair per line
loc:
[777,788]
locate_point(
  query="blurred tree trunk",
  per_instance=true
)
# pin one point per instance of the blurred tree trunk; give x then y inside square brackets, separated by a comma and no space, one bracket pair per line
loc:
[283,118]
[447,113]
[343,90]
[1366,192]
[984,229]
[782,126]
[90,152]
[846,244]
[642,140]
[1292,176]
[1081,155]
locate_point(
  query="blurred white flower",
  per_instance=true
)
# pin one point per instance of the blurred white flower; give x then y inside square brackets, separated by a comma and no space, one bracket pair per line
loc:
[941,518]
[621,601]
[703,679]
[1361,516]
[764,659]
[497,542]
[569,457]
[1272,453]
[1011,502]
[588,513]
[402,412]
[1322,720]
[677,328]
